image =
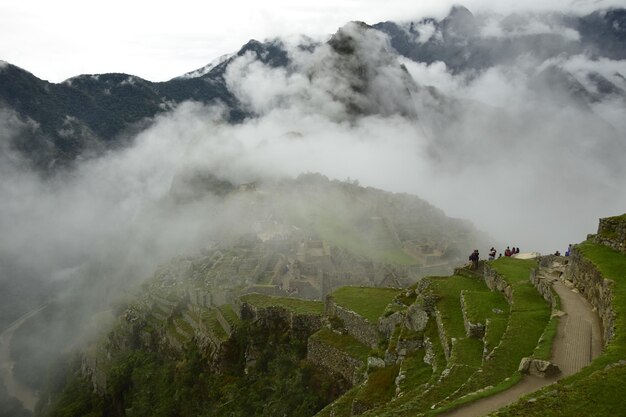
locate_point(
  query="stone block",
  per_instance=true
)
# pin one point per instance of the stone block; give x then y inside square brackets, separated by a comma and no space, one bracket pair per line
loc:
[416,318]
[538,367]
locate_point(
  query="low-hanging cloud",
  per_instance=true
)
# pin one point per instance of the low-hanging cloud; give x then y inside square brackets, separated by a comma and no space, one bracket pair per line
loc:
[497,147]
[530,164]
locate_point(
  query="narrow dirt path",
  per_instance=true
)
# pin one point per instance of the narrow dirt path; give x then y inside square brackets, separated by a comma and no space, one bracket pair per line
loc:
[27,396]
[578,340]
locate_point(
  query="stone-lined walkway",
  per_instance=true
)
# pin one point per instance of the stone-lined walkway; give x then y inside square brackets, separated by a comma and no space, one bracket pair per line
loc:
[578,340]
[579,337]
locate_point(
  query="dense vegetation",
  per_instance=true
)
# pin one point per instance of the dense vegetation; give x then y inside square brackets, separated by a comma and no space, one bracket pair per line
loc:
[143,383]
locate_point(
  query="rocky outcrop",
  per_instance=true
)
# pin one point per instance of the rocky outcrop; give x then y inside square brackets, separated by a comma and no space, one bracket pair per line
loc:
[416,318]
[93,369]
[612,233]
[387,325]
[597,290]
[538,367]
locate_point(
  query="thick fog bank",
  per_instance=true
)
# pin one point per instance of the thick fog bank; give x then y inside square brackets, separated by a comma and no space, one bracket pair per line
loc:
[527,159]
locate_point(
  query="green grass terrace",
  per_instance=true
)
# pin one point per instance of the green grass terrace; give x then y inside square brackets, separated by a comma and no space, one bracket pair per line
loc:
[368,302]
[296,305]
[527,321]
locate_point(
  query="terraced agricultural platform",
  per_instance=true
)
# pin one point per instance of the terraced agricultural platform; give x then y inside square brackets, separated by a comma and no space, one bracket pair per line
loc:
[478,330]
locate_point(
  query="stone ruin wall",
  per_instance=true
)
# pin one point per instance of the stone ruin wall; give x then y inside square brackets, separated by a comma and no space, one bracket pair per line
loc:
[334,360]
[496,283]
[301,324]
[475,330]
[589,281]
[612,233]
[595,288]
[357,326]
[443,335]
[544,286]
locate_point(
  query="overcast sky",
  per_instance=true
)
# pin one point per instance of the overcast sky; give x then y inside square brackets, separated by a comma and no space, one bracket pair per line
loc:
[159,40]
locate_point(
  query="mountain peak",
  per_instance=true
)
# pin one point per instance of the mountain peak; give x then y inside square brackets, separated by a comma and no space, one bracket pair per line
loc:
[459,9]
[343,41]
[460,23]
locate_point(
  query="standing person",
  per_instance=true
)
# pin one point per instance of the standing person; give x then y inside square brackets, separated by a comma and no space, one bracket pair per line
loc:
[492,254]
[474,259]
[569,250]
[507,252]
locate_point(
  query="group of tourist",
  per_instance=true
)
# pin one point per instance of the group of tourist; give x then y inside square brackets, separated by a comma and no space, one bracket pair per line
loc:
[567,252]
[492,253]
[474,257]
[511,252]
[507,252]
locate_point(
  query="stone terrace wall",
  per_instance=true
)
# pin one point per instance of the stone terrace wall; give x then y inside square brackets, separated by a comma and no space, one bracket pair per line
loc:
[612,233]
[596,289]
[476,330]
[356,325]
[334,360]
[443,335]
[496,283]
[544,284]
[303,324]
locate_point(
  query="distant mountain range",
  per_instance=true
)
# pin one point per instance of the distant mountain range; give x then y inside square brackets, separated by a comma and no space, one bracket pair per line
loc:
[88,114]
